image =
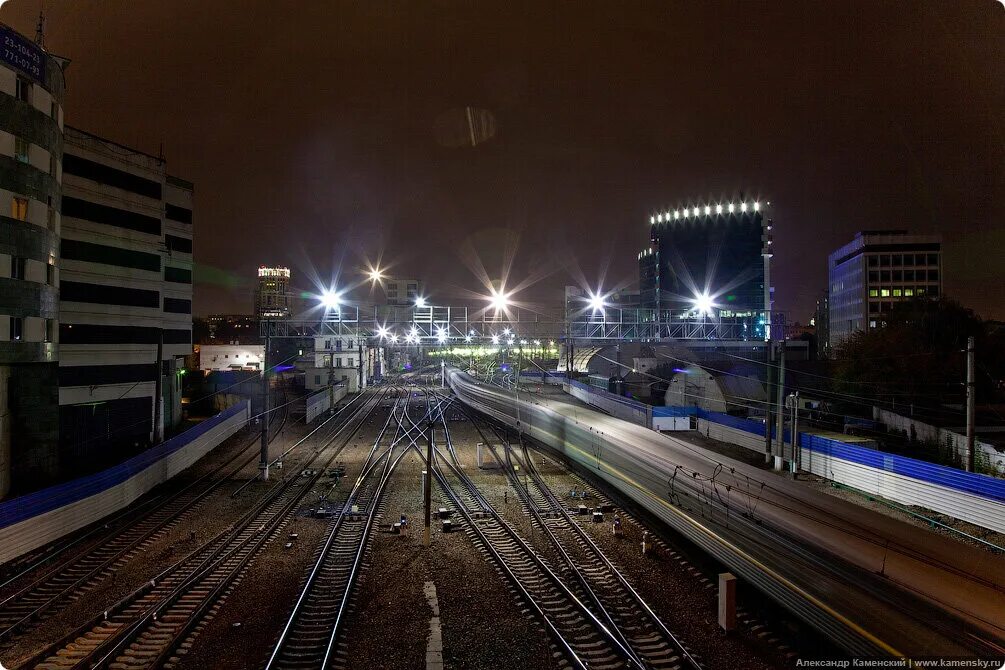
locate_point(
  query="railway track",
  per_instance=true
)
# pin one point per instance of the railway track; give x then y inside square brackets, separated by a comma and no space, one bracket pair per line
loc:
[146,628]
[581,637]
[30,603]
[595,580]
[310,636]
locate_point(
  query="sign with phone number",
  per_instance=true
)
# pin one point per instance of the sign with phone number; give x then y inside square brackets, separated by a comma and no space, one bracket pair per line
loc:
[22,54]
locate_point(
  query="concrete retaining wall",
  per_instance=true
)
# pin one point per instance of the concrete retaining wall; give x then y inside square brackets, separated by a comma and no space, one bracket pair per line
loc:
[623,408]
[31,521]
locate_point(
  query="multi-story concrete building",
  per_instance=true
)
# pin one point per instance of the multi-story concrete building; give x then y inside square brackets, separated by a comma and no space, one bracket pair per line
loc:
[401,291]
[125,298]
[708,255]
[272,296]
[342,359]
[874,271]
[31,157]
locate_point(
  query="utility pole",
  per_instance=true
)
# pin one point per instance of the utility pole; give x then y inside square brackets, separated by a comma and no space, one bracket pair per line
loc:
[797,454]
[781,399]
[158,433]
[971,403]
[427,486]
[443,373]
[359,350]
[263,464]
[767,403]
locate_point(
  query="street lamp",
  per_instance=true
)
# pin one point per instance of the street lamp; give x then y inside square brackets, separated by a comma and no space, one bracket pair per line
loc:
[703,304]
[420,302]
[375,274]
[331,299]
[499,300]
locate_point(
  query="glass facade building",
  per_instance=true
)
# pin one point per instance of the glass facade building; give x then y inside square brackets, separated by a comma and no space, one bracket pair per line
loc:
[713,258]
[874,271]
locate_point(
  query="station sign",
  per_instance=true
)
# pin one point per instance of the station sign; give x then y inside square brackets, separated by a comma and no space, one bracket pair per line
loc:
[22,54]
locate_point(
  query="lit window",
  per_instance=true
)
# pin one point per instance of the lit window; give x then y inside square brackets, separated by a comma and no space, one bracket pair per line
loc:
[19,208]
[884,293]
[872,324]
[896,293]
[21,149]
[921,291]
[908,292]
[873,293]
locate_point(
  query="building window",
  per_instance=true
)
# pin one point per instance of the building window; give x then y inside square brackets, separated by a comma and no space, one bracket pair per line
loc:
[873,261]
[54,110]
[933,290]
[898,260]
[16,328]
[908,259]
[884,260]
[22,150]
[50,274]
[873,293]
[19,208]
[348,363]
[17,267]
[884,293]
[884,275]
[50,330]
[23,90]
[317,380]
[908,275]
[921,290]
[896,293]
[919,259]
[872,323]
[933,275]
[908,292]
[933,259]
[338,362]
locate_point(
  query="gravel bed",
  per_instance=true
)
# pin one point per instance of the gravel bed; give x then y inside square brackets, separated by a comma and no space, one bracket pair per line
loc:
[678,593]
[482,626]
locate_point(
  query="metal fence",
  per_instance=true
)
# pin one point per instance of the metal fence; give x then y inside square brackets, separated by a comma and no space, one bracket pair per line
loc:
[60,495]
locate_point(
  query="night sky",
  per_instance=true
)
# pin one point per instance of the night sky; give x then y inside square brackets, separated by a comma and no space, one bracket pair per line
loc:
[322,135]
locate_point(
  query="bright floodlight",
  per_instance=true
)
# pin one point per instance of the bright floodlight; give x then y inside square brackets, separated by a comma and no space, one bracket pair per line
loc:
[731,207]
[394,339]
[703,304]
[696,211]
[467,338]
[499,300]
[331,299]
[676,214]
[420,302]
[596,302]
[382,332]
[509,341]
[718,209]
[505,331]
[495,339]
[375,274]
[708,210]
[441,336]
[757,206]
[743,207]
[652,219]
[659,217]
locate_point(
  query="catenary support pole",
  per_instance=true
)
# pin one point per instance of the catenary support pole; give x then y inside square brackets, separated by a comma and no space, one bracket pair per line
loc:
[158,431]
[971,403]
[797,455]
[781,400]
[767,405]
[263,464]
[426,487]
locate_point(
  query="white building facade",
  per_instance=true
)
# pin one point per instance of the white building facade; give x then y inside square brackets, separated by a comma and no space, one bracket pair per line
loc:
[126,292]
[342,359]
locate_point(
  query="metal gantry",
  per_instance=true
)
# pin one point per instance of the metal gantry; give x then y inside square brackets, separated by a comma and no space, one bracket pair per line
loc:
[450,324]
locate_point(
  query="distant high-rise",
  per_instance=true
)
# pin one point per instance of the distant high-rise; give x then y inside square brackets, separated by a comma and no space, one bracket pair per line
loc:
[272,296]
[875,270]
[713,256]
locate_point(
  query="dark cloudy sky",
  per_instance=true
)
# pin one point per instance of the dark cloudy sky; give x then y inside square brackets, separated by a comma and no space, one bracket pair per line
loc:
[319,131]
